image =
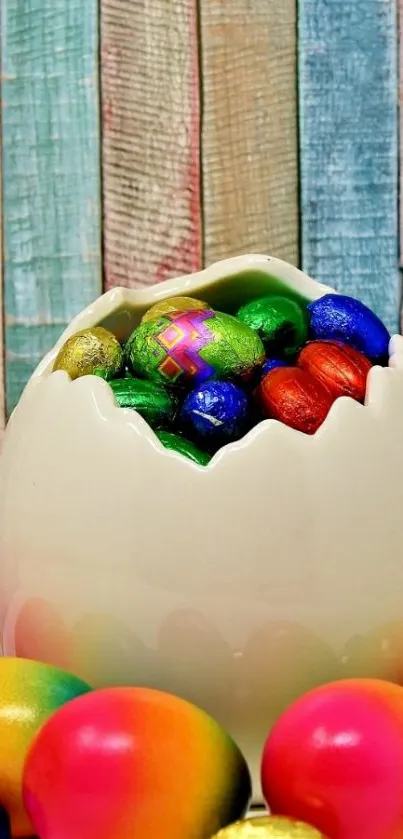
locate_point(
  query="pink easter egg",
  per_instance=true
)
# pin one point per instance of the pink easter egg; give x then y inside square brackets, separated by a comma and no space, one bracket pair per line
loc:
[334,759]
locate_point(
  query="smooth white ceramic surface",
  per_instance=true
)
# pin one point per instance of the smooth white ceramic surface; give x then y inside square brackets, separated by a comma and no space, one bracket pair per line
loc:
[238,585]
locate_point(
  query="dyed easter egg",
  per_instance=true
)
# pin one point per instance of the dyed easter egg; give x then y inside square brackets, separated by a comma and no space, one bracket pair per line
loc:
[294,397]
[132,762]
[173,304]
[29,693]
[341,369]
[191,347]
[215,413]
[336,317]
[271,364]
[335,760]
[269,827]
[152,401]
[177,443]
[91,352]
[281,323]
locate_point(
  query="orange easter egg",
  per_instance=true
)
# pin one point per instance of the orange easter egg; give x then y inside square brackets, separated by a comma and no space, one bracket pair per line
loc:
[133,762]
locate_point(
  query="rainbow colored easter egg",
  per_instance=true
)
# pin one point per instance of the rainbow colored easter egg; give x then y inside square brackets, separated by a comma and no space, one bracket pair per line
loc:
[173,304]
[294,397]
[132,762]
[340,368]
[91,352]
[188,348]
[269,827]
[337,317]
[30,692]
[335,760]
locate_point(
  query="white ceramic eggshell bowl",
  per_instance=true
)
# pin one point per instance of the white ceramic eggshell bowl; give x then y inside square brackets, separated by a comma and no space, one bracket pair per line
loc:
[237,585]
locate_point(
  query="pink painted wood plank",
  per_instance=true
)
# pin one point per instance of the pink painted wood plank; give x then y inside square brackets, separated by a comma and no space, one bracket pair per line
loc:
[151,115]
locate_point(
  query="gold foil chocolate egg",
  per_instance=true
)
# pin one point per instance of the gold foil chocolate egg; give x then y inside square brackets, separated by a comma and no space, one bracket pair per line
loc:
[269,827]
[173,304]
[91,352]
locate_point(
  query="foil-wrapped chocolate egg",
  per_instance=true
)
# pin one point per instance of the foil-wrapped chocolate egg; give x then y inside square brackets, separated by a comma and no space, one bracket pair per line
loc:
[294,397]
[173,304]
[271,364]
[152,401]
[341,369]
[281,323]
[91,352]
[214,414]
[337,317]
[188,348]
[269,827]
[177,443]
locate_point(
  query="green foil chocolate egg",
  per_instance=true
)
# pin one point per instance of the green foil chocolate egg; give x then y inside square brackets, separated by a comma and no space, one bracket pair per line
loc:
[281,323]
[188,348]
[173,304]
[178,444]
[91,352]
[152,401]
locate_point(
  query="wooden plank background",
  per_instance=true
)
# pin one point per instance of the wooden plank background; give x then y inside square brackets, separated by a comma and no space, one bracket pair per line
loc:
[250,134]
[151,166]
[225,127]
[349,149]
[51,174]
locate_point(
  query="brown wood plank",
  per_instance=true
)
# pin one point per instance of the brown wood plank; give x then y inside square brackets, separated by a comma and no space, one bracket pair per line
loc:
[249,139]
[150,103]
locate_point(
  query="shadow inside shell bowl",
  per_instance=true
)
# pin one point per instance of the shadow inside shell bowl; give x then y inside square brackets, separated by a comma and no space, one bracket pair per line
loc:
[238,585]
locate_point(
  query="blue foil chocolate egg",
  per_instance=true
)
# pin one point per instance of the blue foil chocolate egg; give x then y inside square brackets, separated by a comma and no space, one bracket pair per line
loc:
[271,364]
[336,317]
[214,414]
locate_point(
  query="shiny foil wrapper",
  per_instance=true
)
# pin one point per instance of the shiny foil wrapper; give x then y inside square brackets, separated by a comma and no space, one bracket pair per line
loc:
[153,402]
[179,444]
[294,397]
[91,352]
[188,348]
[340,368]
[269,827]
[281,323]
[214,414]
[173,304]
[337,317]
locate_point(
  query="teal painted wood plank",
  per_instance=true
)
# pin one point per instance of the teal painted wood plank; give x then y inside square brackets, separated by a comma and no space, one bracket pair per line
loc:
[51,174]
[349,148]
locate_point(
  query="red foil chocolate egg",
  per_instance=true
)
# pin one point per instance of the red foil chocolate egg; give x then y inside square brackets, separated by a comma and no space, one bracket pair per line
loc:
[342,369]
[294,397]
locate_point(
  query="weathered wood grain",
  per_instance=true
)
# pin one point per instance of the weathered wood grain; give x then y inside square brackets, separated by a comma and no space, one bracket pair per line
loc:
[151,184]
[2,379]
[51,174]
[249,139]
[349,148]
